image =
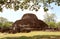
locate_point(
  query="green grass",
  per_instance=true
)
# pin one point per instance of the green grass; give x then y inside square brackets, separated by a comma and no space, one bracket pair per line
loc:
[34,37]
[31,35]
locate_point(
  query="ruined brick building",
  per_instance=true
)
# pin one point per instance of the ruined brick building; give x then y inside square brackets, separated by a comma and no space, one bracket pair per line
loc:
[29,22]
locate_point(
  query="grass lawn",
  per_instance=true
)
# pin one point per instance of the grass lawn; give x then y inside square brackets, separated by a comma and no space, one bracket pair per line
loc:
[30,34]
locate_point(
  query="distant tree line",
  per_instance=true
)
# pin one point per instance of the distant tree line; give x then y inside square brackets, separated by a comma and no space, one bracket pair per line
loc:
[4,22]
[50,19]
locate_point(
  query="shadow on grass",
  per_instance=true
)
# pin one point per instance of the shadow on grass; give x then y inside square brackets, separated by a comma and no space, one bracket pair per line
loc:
[34,37]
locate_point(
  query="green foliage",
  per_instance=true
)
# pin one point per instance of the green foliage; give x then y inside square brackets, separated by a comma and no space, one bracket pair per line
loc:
[4,22]
[16,7]
[50,20]
[21,5]
[1,9]
[7,24]
[45,9]
[26,1]
[58,24]
[26,6]
[2,2]
[52,24]
[49,17]
[34,37]
[1,24]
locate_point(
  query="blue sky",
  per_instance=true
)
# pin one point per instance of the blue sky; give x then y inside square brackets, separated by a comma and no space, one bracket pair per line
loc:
[56,11]
[12,15]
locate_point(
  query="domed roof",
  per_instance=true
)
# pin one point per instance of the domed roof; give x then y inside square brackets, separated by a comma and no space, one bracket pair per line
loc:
[29,16]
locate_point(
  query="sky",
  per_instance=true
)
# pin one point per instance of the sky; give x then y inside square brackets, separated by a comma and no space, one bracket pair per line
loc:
[12,15]
[56,11]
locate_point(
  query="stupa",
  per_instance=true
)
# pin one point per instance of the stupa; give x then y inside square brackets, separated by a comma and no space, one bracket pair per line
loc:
[29,22]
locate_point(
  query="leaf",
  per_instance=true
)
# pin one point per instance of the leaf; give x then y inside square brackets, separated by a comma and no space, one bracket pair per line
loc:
[0,9]
[58,4]
[16,7]
[26,6]
[45,9]
[1,2]
[21,6]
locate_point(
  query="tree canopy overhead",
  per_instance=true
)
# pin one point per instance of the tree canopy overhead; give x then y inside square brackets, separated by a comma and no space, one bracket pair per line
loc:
[26,4]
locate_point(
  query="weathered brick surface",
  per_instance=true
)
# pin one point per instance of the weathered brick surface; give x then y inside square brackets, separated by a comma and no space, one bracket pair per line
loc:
[28,23]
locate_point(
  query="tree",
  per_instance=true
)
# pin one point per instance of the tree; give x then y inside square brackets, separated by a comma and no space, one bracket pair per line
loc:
[58,24]
[50,20]
[4,22]
[7,24]
[52,25]
[26,4]
[1,24]
[49,17]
